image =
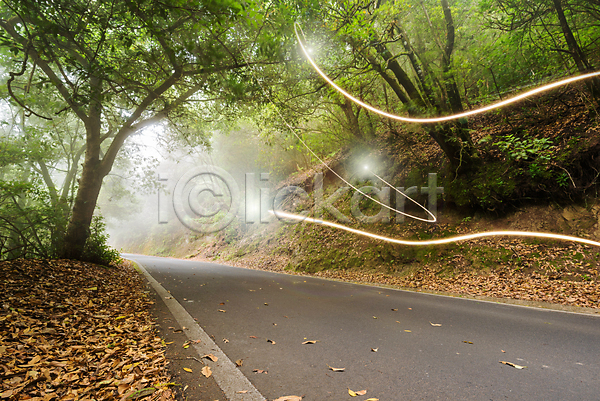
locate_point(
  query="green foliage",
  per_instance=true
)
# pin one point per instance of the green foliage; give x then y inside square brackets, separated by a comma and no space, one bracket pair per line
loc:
[528,148]
[96,248]
[30,225]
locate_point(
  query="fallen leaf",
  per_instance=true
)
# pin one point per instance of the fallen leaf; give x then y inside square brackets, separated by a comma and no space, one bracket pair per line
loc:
[221,310]
[374,349]
[241,392]
[225,340]
[468,342]
[239,362]
[141,393]
[211,357]
[503,351]
[435,324]
[271,341]
[266,304]
[374,317]
[289,398]
[310,342]
[251,336]
[188,370]
[513,365]
[260,371]
[408,331]
[336,369]
[206,371]
[352,393]
[372,399]
[222,303]
[91,289]
[361,392]
[395,309]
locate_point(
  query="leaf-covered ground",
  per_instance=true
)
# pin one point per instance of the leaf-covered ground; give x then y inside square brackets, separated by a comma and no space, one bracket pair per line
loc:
[519,269]
[77,331]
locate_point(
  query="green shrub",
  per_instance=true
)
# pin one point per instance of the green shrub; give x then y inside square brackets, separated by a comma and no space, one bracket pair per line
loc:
[96,248]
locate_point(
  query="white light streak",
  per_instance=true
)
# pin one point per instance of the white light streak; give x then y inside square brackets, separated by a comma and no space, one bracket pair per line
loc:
[439,241]
[445,118]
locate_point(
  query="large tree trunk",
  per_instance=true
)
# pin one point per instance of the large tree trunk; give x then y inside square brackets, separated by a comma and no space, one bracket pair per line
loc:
[90,183]
[78,229]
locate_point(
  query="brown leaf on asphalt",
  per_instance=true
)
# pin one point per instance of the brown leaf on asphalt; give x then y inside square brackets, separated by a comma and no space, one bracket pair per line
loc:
[225,340]
[222,310]
[374,349]
[222,303]
[289,398]
[239,362]
[260,371]
[271,341]
[435,324]
[251,336]
[361,392]
[468,342]
[206,371]
[211,357]
[336,369]
[372,399]
[513,365]
[352,393]
[395,309]
[310,342]
[241,392]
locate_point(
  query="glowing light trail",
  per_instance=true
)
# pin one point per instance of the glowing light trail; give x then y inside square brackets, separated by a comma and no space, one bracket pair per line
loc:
[293,131]
[445,118]
[440,241]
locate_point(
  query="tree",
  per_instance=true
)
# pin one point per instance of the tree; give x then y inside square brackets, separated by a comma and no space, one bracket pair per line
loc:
[121,66]
[550,18]
[377,31]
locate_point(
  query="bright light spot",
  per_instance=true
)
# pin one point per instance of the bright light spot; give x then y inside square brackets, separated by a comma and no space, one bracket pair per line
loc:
[366,167]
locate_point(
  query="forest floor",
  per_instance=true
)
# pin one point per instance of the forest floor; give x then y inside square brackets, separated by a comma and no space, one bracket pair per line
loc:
[76,331]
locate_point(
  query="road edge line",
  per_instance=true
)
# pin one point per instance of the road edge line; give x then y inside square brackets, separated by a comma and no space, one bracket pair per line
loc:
[229,378]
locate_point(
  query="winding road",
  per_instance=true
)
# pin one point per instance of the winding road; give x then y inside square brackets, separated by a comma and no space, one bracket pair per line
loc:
[397,345]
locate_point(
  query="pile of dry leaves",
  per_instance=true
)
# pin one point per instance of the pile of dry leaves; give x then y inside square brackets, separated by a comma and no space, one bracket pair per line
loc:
[77,331]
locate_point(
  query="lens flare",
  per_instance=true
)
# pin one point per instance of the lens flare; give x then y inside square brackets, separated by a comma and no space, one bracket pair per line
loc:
[444,118]
[440,241]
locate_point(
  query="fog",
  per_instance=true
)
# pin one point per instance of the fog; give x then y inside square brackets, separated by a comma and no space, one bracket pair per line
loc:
[179,190]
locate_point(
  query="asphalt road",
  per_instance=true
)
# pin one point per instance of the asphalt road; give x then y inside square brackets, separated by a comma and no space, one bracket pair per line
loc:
[415,360]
